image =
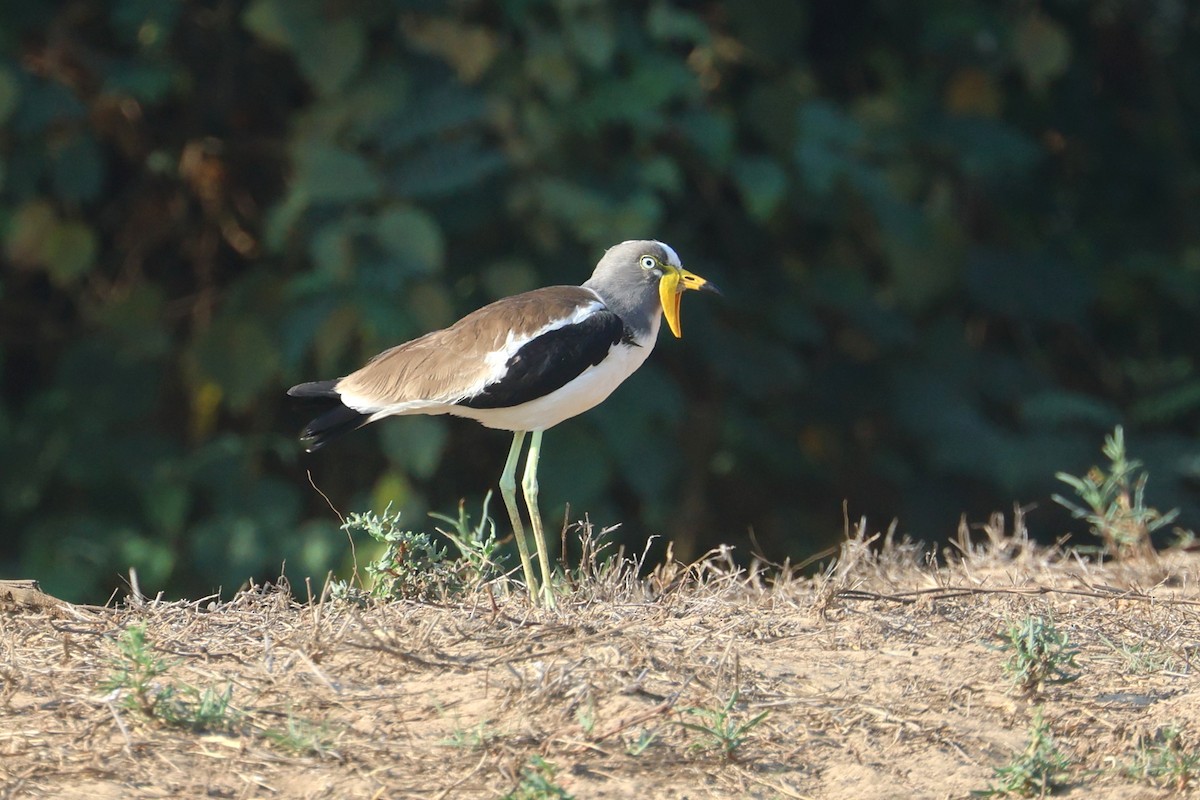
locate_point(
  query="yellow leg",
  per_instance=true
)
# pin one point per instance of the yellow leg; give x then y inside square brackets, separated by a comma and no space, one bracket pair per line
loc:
[508,490]
[529,484]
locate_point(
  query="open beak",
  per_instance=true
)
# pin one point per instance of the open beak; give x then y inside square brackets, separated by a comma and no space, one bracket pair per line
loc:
[674,282]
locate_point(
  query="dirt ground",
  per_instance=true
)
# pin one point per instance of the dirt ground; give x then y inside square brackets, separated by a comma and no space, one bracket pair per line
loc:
[882,677]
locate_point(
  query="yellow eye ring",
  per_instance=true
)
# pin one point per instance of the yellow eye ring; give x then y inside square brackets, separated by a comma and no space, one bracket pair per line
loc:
[649,262]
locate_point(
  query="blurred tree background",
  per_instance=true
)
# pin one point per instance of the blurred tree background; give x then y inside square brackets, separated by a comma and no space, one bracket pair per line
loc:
[960,240]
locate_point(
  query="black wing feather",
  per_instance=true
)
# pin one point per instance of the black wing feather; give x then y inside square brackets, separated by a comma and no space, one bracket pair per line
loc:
[336,419]
[552,360]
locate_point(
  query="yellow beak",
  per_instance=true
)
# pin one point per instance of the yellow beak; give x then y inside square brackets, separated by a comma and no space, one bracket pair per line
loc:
[674,282]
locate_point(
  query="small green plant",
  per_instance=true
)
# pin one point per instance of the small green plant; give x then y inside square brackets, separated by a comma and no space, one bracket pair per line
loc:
[136,674]
[136,670]
[1141,659]
[1041,655]
[196,709]
[585,715]
[477,738]
[1114,502]
[635,747]
[1040,770]
[411,564]
[537,783]
[414,565]
[477,545]
[301,737]
[722,728]
[1164,760]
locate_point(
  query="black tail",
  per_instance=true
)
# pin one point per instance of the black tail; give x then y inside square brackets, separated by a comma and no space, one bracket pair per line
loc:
[338,419]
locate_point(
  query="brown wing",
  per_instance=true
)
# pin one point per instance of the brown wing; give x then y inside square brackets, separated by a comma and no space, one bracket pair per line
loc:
[448,364]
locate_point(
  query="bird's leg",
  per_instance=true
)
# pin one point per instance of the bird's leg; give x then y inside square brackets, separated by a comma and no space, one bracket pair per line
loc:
[530,486]
[508,490]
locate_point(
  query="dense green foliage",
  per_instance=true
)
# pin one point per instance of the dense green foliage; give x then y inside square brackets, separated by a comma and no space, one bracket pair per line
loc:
[959,241]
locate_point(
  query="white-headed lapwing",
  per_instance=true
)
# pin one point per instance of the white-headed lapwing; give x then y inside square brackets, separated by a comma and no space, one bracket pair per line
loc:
[523,364]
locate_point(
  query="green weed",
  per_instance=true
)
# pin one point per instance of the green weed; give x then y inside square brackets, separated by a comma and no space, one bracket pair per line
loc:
[411,565]
[204,709]
[476,738]
[537,783]
[1114,502]
[1141,659]
[136,676]
[635,747]
[1041,655]
[1164,760]
[414,565]
[136,670]
[1038,771]
[722,728]
[477,545]
[301,737]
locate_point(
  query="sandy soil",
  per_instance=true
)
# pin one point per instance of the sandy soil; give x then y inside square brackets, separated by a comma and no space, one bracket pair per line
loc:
[880,678]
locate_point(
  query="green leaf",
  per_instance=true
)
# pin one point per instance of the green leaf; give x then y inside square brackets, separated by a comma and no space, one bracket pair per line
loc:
[988,149]
[271,22]
[1168,406]
[336,57]
[328,52]
[639,99]
[762,184]
[324,173]
[148,23]
[69,251]
[239,356]
[1054,408]
[412,237]
[592,35]
[332,251]
[666,22]
[1041,49]
[432,113]
[446,167]
[28,230]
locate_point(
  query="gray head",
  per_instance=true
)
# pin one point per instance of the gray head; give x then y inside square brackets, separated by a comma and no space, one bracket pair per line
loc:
[639,279]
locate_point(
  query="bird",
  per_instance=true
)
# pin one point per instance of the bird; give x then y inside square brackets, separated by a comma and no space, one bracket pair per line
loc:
[523,364]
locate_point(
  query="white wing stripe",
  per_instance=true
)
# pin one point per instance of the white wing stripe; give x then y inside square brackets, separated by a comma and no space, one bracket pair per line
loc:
[497,360]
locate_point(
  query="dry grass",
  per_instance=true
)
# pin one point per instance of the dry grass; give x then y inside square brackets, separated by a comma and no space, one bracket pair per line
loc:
[881,677]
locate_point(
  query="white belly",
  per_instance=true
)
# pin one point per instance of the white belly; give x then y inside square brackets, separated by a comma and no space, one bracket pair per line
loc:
[589,389]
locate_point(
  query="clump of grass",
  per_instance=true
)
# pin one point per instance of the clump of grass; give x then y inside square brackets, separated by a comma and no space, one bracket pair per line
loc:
[1040,770]
[411,564]
[301,737]
[136,678]
[414,565]
[723,729]
[479,737]
[477,545]
[1114,502]
[207,709]
[537,783]
[136,670]
[1041,655]
[1165,760]
[635,747]
[1141,659]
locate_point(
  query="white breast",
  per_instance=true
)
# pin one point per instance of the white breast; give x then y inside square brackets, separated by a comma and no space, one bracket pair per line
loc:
[589,389]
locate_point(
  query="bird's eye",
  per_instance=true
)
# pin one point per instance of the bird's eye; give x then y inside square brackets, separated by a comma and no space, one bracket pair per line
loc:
[649,262]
